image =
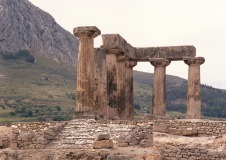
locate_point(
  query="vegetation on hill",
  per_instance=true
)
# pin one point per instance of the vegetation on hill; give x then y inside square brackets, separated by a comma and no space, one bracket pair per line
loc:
[44,90]
[24,54]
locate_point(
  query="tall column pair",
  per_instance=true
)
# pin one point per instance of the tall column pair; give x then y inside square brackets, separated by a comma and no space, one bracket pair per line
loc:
[193,89]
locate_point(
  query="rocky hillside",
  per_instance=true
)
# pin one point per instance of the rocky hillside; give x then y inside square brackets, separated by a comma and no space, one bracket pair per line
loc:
[25,26]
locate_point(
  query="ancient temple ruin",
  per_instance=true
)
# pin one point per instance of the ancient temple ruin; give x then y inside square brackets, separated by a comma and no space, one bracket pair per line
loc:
[105,75]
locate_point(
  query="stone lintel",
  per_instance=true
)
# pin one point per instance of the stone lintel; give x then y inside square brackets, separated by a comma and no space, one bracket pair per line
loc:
[86,31]
[195,61]
[115,41]
[172,53]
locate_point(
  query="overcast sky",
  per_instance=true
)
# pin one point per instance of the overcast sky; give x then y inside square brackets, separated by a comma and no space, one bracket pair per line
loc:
[151,23]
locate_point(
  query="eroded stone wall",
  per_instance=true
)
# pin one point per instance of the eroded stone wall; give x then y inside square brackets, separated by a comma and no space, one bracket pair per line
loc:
[34,135]
[191,127]
[191,153]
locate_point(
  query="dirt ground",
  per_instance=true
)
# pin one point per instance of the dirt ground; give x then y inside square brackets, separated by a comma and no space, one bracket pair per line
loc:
[4,130]
[213,143]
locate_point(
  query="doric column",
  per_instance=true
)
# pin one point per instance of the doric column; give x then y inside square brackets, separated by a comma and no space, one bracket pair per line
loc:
[112,82]
[193,91]
[129,112]
[85,68]
[121,88]
[159,86]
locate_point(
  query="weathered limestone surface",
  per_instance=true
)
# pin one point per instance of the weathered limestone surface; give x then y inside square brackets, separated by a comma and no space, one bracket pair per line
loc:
[159,87]
[102,144]
[115,41]
[129,113]
[112,79]
[172,53]
[101,82]
[114,87]
[85,101]
[121,86]
[193,93]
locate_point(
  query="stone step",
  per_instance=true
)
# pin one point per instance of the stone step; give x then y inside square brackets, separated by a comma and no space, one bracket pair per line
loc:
[76,143]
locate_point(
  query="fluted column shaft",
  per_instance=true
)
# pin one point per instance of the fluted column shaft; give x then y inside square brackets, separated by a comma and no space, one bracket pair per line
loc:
[159,87]
[193,92]
[85,68]
[129,111]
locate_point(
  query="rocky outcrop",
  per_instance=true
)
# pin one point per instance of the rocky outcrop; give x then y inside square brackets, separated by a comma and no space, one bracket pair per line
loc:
[24,26]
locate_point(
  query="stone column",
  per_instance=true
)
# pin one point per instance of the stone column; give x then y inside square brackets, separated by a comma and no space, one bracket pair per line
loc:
[121,88]
[159,86]
[193,92]
[85,68]
[112,83]
[129,112]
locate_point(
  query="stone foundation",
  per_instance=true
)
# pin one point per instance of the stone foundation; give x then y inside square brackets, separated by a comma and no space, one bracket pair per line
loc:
[34,135]
[191,153]
[199,128]
[81,133]
[132,140]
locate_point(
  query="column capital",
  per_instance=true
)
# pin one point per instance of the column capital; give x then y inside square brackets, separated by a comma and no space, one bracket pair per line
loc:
[130,63]
[159,62]
[86,31]
[195,61]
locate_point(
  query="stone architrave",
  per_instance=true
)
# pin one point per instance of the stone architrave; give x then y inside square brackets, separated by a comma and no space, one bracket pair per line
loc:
[172,53]
[159,86]
[85,68]
[193,92]
[129,113]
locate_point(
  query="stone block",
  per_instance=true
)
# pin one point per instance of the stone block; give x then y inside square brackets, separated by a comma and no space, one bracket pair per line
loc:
[123,144]
[153,157]
[41,140]
[175,131]
[189,132]
[13,145]
[128,138]
[120,157]
[39,146]
[102,144]
[160,128]
[102,137]
[145,143]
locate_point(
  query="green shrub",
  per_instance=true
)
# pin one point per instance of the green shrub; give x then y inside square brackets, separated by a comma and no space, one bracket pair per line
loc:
[58,118]
[24,54]
[12,113]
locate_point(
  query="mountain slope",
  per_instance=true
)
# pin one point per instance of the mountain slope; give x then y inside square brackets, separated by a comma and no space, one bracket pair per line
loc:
[44,90]
[25,26]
